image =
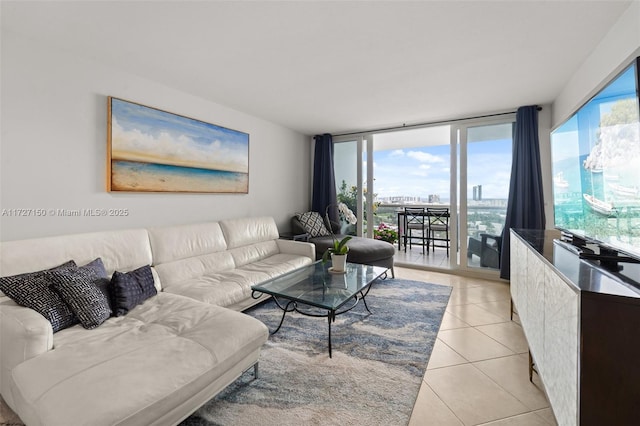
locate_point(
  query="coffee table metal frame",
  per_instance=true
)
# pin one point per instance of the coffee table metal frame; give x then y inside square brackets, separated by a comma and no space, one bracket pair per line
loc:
[314,286]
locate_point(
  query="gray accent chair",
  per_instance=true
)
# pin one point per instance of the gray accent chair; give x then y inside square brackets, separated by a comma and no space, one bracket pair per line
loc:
[365,251]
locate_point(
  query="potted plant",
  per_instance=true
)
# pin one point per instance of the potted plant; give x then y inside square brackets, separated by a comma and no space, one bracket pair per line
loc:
[338,254]
[340,248]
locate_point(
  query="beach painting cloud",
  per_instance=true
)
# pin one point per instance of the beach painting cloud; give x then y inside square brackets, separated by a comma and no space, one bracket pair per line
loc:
[156,151]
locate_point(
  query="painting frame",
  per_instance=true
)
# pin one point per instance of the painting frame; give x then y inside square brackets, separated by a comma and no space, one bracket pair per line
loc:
[152,150]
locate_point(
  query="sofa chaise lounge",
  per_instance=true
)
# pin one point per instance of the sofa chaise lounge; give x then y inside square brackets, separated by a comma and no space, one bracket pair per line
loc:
[362,250]
[165,357]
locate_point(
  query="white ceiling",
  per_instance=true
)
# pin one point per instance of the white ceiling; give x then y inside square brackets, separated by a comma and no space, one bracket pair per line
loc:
[321,66]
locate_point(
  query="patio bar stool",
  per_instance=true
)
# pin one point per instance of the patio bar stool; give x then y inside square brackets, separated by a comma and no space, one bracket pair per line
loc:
[416,220]
[439,227]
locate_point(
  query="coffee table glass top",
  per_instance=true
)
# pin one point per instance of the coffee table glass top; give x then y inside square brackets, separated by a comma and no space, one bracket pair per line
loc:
[315,285]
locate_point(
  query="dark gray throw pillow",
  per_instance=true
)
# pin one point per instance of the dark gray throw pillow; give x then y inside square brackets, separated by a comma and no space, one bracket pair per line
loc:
[32,290]
[312,223]
[131,289]
[103,281]
[78,288]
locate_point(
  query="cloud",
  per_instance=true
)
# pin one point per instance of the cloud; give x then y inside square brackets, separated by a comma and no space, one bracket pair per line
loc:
[419,172]
[425,157]
[396,153]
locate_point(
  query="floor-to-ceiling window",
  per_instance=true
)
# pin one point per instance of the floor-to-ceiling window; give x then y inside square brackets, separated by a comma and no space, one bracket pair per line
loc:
[464,166]
[349,183]
[488,171]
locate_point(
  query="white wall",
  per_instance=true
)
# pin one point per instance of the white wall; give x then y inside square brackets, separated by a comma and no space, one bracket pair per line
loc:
[613,53]
[53,149]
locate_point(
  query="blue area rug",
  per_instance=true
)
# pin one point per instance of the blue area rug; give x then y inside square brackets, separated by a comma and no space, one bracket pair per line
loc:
[374,377]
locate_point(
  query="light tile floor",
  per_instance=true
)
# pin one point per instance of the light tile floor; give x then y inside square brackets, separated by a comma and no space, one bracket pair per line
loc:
[435,258]
[478,371]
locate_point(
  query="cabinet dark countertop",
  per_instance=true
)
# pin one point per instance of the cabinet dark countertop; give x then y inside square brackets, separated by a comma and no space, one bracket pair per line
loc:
[580,274]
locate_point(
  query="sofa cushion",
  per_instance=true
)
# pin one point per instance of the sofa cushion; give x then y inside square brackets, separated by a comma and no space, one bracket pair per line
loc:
[253,253]
[230,287]
[33,291]
[181,242]
[133,368]
[194,267]
[249,230]
[313,224]
[130,289]
[78,287]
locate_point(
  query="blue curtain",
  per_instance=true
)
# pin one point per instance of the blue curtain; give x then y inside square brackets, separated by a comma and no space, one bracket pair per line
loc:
[525,207]
[324,181]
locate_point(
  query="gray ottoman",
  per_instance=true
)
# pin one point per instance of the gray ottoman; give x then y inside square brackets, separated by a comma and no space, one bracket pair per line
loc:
[365,251]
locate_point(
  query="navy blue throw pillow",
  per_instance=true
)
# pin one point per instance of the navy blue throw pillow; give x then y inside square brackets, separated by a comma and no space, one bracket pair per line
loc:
[131,289]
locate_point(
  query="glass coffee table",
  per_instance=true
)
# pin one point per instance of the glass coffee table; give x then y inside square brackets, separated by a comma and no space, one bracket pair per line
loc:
[314,286]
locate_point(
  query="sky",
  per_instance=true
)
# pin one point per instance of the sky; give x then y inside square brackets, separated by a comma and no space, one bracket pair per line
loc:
[415,172]
[421,171]
[417,162]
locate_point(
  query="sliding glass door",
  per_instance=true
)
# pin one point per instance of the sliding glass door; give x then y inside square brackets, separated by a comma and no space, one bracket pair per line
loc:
[411,169]
[463,166]
[485,175]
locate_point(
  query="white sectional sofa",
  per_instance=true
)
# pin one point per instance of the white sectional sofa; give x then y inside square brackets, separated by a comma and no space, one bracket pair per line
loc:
[167,356]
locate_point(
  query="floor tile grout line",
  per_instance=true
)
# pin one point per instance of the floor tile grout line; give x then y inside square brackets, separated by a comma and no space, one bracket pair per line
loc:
[487,296]
[509,417]
[507,314]
[484,374]
[480,331]
[529,410]
[453,350]
[491,380]
[494,339]
[515,353]
[536,412]
[444,403]
[519,400]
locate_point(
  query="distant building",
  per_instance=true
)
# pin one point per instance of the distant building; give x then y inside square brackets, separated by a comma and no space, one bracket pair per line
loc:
[401,199]
[434,198]
[477,193]
[489,202]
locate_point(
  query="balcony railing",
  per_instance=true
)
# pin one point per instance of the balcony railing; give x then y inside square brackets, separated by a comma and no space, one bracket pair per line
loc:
[481,218]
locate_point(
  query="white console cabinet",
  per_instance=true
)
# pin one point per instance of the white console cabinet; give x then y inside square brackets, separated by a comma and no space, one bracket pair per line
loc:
[581,324]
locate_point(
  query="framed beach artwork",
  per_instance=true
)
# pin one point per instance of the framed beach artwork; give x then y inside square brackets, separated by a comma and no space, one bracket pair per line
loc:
[150,150]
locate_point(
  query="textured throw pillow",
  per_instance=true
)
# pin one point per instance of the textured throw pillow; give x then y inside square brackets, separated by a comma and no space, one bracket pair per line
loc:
[32,290]
[312,223]
[131,289]
[103,281]
[79,289]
